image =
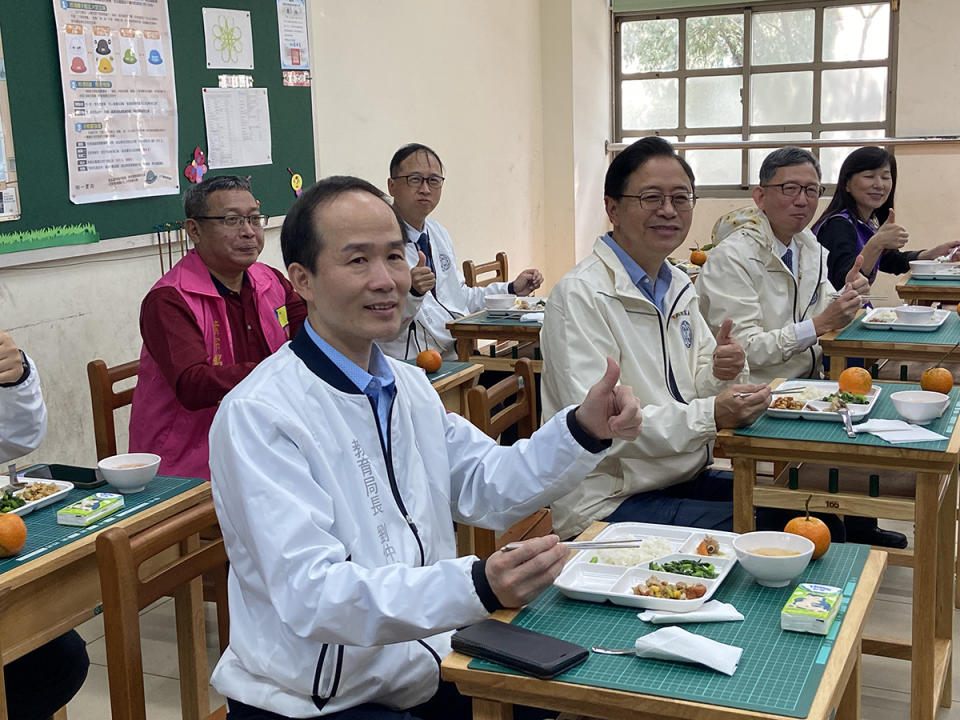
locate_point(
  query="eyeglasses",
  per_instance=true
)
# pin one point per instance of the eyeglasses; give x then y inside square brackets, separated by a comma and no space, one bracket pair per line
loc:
[793,189]
[235,221]
[434,181]
[682,202]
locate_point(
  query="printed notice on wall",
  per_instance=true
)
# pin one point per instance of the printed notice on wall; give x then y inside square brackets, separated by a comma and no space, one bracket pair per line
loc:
[228,38]
[9,193]
[120,106]
[238,127]
[292,22]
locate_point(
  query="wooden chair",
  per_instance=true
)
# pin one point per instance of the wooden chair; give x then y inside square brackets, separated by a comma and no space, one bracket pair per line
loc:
[121,560]
[105,401]
[498,267]
[522,412]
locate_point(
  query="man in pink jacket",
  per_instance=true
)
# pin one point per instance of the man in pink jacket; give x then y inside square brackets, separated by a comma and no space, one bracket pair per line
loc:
[206,324]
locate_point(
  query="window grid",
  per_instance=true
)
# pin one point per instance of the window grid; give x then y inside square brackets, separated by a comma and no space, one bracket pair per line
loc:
[816,127]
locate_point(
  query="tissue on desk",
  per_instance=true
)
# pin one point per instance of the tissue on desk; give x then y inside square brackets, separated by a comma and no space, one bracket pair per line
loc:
[713,611]
[678,645]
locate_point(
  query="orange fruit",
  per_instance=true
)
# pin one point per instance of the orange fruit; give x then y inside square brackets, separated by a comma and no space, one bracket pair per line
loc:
[937,379]
[814,529]
[429,360]
[698,257]
[855,380]
[13,534]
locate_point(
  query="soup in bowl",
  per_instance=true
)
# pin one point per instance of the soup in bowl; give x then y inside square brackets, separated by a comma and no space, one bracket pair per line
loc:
[773,558]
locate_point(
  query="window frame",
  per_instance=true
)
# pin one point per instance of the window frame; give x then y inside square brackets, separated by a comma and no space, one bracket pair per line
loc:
[816,127]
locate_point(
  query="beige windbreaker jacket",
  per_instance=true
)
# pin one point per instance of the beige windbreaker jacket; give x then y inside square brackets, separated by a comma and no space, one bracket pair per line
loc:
[746,281]
[596,311]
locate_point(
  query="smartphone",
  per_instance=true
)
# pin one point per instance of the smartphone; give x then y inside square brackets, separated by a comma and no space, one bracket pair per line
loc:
[81,477]
[517,648]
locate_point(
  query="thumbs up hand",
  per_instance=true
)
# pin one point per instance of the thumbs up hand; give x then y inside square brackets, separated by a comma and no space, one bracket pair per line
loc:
[728,356]
[856,280]
[610,410]
[422,279]
[890,236]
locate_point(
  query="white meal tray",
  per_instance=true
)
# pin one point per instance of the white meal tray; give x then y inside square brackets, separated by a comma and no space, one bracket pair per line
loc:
[598,582]
[518,311]
[867,321]
[946,270]
[29,507]
[819,410]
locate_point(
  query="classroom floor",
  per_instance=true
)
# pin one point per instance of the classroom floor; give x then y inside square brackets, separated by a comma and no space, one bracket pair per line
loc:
[886,682]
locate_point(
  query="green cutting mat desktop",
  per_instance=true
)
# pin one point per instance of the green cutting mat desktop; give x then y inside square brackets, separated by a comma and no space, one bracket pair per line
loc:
[36,108]
[779,671]
[44,535]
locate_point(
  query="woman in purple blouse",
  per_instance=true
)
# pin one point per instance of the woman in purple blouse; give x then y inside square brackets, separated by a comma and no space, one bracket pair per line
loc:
[860,220]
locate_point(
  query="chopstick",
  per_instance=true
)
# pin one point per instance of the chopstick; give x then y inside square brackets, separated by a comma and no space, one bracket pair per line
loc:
[586,545]
[775,391]
[863,297]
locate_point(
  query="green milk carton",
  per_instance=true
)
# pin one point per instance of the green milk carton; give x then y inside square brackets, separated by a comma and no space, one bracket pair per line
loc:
[90,509]
[811,608]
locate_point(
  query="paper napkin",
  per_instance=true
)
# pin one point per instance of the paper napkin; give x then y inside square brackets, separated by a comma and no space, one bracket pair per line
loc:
[678,645]
[713,611]
[532,317]
[897,431]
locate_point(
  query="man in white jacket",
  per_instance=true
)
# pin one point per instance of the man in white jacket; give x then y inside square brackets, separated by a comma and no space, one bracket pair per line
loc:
[627,302]
[769,274]
[438,293]
[42,681]
[337,476]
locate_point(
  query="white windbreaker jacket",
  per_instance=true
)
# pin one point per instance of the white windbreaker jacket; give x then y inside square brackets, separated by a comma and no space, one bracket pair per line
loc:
[596,311]
[23,417]
[425,318]
[746,281]
[344,586]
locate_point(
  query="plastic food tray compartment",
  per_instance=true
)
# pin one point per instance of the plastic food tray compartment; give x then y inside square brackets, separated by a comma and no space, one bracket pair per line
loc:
[819,409]
[29,507]
[873,320]
[599,581]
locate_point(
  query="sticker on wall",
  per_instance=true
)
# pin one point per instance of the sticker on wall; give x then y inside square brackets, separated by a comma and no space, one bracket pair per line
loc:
[296,182]
[197,167]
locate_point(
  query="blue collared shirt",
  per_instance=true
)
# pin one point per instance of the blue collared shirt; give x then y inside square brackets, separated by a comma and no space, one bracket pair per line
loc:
[654,290]
[379,384]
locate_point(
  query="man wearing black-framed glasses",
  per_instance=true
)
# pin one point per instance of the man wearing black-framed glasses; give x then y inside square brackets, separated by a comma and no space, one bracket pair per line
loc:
[769,275]
[438,293]
[206,324]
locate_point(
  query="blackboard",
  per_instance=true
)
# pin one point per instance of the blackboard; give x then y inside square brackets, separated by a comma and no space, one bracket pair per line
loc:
[36,109]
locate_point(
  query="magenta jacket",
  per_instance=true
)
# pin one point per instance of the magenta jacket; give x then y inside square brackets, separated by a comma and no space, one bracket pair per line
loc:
[158,422]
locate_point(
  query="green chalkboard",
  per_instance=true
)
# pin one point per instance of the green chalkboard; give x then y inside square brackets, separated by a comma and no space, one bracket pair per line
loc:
[36,109]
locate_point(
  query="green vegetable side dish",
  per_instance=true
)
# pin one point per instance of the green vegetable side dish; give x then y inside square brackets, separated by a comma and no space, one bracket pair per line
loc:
[10,502]
[694,568]
[847,397]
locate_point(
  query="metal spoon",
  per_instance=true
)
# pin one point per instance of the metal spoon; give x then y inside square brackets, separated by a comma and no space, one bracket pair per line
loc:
[613,651]
[844,412]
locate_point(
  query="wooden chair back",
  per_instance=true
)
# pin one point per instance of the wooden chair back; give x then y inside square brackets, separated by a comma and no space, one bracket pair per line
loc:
[498,267]
[522,412]
[105,401]
[137,570]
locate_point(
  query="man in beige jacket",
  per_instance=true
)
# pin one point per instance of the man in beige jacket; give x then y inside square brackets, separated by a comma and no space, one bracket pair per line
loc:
[625,301]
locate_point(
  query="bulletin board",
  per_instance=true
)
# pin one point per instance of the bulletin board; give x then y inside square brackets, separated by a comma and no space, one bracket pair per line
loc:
[36,109]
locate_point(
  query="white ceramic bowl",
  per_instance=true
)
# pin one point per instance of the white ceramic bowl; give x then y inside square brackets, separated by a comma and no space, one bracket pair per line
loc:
[770,570]
[129,473]
[914,314]
[920,406]
[500,302]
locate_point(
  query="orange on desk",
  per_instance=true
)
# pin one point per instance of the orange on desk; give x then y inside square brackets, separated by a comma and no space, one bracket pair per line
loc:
[813,529]
[429,360]
[855,380]
[937,379]
[13,534]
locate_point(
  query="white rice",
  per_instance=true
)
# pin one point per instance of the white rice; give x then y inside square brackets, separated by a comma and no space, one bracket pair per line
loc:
[650,549]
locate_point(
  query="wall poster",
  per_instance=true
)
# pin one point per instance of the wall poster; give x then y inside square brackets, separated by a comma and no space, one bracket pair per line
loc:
[120,103]
[9,192]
